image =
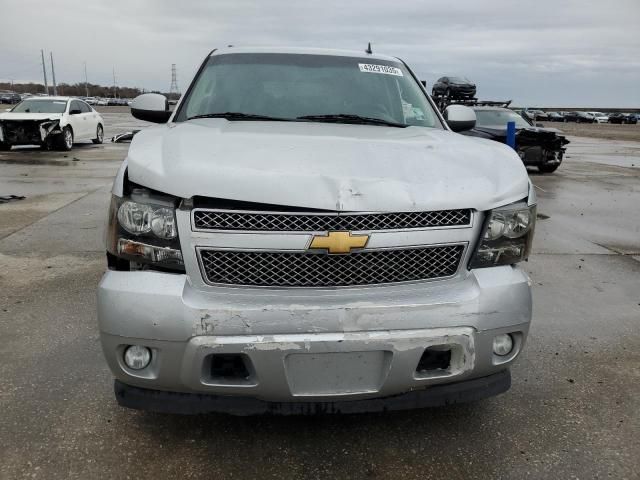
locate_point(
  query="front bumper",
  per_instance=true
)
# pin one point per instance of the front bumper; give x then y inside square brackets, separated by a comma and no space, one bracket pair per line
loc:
[310,346]
[197,403]
[463,91]
[28,132]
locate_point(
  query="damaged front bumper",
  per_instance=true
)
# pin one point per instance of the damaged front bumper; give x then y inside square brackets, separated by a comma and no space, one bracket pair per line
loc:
[537,147]
[28,132]
[297,351]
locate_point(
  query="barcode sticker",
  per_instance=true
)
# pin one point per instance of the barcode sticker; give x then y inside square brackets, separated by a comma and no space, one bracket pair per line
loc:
[368,67]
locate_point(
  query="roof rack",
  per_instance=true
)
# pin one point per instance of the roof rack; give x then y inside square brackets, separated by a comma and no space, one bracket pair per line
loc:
[493,103]
[443,102]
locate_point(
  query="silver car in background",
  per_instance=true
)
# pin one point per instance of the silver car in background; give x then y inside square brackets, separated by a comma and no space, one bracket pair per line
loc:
[305,233]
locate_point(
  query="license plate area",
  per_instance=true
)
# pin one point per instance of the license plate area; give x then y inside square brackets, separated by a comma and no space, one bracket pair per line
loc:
[337,373]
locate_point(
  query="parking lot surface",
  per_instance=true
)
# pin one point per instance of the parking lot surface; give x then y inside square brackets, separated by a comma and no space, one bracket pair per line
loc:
[573,410]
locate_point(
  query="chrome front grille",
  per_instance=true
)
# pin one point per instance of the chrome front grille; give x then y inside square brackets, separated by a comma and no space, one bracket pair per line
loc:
[301,269]
[205,219]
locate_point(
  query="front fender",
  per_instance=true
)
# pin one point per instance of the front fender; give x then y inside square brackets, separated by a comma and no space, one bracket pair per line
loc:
[118,182]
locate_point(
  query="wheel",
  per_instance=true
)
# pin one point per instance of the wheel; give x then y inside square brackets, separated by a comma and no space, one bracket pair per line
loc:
[65,139]
[4,147]
[546,168]
[99,135]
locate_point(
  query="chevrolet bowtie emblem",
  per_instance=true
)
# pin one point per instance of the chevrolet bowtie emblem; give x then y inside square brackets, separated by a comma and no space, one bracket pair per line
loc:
[339,242]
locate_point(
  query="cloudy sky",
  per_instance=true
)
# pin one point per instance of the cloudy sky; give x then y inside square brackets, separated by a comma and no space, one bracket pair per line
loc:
[538,53]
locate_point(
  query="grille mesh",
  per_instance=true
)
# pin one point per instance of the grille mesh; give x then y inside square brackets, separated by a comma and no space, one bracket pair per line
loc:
[287,269]
[291,222]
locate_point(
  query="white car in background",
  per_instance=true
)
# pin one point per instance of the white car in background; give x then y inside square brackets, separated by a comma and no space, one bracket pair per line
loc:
[599,117]
[51,122]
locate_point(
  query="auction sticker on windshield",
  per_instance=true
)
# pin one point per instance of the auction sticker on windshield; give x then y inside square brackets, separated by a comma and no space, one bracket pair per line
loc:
[368,67]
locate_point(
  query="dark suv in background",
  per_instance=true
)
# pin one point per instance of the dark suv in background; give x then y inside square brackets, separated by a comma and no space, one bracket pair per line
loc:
[11,98]
[619,117]
[579,117]
[454,87]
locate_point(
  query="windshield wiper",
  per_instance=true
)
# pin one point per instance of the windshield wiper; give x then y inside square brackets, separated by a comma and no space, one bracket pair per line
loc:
[349,118]
[240,116]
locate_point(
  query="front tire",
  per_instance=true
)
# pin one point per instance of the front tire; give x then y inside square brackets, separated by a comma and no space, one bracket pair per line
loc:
[99,135]
[545,168]
[65,139]
[4,147]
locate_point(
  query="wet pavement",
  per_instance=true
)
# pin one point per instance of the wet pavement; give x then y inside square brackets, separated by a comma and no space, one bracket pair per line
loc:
[573,410]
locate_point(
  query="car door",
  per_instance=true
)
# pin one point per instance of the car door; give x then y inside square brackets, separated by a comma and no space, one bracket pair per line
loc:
[76,120]
[91,119]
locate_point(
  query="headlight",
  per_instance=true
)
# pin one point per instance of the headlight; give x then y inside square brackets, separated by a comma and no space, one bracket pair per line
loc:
[142,228]
[506,237]
[135,217]
[139,218]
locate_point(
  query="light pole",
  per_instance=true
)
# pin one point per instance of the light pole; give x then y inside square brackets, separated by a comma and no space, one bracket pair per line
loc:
[53,76]
[44,72]
[86,82]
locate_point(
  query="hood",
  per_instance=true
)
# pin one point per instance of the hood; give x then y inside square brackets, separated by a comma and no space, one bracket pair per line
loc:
[327,166]
[30,116]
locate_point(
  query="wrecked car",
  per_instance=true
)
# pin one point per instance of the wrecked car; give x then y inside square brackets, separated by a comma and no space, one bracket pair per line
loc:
[541,147]
[306,233]
[51,122]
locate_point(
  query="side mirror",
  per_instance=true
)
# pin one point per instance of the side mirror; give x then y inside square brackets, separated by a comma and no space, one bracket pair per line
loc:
[75,111]
[424,83]
[460,118]
[151,107]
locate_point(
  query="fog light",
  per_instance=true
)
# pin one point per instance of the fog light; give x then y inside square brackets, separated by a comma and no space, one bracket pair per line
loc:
[502,344]
[137,357]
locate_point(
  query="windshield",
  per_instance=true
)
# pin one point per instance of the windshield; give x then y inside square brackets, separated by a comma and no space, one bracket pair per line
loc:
[40,106]
[459,80]
[499,118]
[291,86]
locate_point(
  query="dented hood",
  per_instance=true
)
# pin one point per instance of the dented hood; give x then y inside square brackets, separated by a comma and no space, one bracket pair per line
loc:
[29,116]
[327,166]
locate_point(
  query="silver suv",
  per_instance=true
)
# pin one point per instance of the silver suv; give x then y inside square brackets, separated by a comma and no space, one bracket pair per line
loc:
[306,233]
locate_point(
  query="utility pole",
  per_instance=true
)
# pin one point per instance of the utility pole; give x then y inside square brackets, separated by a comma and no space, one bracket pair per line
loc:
[53,76]
[115,88]
[86,82]
[44,72]
[173,89]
